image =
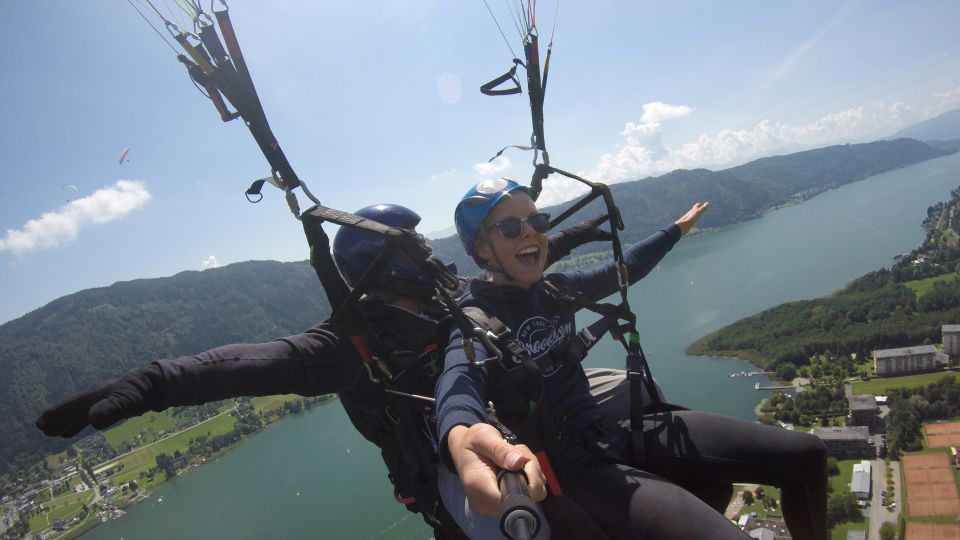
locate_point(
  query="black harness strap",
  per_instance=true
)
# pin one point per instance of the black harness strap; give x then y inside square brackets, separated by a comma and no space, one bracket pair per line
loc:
[535,91]
[490,88]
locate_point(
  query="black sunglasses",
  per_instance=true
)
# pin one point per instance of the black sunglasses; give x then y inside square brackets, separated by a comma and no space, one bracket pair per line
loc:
[511,228]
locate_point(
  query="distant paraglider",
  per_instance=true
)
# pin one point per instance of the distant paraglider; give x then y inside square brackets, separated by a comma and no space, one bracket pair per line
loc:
[71,187]
[123,155]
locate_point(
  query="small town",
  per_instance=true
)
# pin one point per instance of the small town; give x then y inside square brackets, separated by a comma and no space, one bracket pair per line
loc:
[884,488]
[102,474]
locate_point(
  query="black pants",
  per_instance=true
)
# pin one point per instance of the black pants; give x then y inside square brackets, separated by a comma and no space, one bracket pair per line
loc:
[681,484]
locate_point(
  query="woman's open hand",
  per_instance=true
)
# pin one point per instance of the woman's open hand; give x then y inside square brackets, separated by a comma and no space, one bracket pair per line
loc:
[688,220]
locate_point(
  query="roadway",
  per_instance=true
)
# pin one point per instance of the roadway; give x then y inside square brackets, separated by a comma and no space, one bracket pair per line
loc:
[876,512]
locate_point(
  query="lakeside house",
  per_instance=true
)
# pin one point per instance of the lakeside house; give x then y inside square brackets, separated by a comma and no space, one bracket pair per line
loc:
[846,442]
[951,338]
[861,483]
[905,360]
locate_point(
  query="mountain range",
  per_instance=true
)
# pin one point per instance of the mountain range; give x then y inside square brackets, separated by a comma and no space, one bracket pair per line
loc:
[63,347]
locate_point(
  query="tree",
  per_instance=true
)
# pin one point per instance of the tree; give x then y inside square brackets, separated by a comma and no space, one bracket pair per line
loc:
[747,498]
[843,507]
[133,485]
[786,371]
[888,531]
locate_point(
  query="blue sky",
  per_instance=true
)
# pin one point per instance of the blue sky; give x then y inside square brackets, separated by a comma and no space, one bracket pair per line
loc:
[378,101]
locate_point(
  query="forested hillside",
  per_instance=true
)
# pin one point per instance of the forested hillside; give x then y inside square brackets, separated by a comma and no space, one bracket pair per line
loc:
[68,344]
[897,307]
[735,194]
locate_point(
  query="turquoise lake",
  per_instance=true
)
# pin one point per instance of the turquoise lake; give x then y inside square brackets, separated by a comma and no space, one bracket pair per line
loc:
[312,476]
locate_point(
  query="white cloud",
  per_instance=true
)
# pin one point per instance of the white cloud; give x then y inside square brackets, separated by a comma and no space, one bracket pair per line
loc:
[210,262]
[642,153]
[801,50]
[53,229]
[658,112]
[492,168]
[947,101]
[444,175]
[560,189]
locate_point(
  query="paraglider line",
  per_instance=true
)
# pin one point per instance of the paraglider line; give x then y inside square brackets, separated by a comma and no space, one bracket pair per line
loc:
[519,19]
[152,26]
[155,10]
[496,22]
[556,15]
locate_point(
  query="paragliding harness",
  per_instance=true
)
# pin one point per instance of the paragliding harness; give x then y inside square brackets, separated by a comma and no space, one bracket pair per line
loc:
[408,450]
[619,320]
[404,397]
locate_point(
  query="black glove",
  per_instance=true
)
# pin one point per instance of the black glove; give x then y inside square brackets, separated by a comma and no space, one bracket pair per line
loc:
[560,245]
[105,403]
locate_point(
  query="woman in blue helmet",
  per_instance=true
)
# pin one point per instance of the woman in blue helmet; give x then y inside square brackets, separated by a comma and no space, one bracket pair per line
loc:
[403,321]
[588,453]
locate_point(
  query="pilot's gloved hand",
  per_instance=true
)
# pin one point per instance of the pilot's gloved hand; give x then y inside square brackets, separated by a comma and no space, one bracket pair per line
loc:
[105,403]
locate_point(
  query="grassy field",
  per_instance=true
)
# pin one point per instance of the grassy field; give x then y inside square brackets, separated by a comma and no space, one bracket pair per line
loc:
[841,483]
[61,507]
[267,404]
[879,386]
[54,460]
[757,505]
[150,425]
[840,531]
[144,458]
[921,287]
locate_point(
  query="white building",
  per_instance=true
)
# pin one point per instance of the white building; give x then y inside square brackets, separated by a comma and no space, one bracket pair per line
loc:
[905,360]
[951,338]
[861,483]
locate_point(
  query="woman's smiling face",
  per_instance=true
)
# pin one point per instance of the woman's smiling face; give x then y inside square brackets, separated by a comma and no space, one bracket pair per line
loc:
[521,258]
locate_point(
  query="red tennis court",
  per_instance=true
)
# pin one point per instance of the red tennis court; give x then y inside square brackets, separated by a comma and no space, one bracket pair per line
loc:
[942,434]
[931,489]
[932,531]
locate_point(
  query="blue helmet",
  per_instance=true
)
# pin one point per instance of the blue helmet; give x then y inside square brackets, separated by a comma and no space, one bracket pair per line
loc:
[355,250]
[476,204]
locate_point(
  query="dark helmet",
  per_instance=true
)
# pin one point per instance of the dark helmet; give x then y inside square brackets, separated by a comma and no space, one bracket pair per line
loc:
[355,250]
[476,204]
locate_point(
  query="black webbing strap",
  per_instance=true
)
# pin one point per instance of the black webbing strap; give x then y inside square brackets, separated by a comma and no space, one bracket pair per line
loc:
[501,338]
[490,88]
[211,42]
[535,91]
[212,92]
[225,69]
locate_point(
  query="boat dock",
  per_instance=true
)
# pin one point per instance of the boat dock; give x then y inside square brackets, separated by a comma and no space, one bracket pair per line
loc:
[758,387]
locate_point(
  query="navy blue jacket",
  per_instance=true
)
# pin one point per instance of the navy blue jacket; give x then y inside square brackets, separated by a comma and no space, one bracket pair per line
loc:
[538,322]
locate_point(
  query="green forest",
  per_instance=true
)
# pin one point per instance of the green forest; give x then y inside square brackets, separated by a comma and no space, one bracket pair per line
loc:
[897,307]
[911,407]
[74,341]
